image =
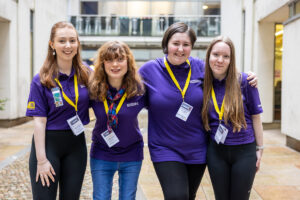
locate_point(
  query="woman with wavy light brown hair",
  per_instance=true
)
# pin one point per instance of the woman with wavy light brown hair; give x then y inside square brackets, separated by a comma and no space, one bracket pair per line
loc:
[231,114]
[58,102]
[117,98]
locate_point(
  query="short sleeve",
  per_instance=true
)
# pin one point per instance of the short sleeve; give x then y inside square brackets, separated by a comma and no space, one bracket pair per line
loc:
[37,104]
[143,70]
[252,97]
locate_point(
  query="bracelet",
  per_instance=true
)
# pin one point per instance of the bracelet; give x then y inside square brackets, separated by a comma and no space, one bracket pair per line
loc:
[259,148]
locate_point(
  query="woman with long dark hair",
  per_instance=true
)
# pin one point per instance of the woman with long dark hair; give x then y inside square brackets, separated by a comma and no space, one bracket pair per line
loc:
[231,115]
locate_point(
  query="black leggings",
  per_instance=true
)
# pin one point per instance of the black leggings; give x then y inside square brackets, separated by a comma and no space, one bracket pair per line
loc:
[232,170]
[179,181]
[67,154]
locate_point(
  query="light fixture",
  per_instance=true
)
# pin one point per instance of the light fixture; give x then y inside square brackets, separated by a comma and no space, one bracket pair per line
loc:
[204,7]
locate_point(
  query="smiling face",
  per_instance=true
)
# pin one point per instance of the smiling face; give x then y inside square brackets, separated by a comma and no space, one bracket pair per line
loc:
[219,60]
[65,44]
[179,48]
[116,68]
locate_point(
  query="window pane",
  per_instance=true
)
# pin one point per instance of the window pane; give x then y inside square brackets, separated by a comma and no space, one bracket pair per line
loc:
[89,8]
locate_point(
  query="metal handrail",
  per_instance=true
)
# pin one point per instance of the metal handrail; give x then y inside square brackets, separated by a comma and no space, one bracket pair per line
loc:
[148,25]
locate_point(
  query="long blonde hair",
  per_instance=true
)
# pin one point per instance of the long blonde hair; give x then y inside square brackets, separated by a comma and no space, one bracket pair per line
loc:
[233,105]
[49,70]
[98,84]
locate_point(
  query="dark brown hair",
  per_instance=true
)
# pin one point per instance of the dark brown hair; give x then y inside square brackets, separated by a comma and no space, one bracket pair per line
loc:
[178,27]
[99,81]
[49,70]
[233,105]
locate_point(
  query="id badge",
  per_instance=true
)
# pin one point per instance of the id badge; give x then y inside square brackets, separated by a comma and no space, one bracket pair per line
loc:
[76,125]
[57,97]
[184,111]
[221,134]
[110,138]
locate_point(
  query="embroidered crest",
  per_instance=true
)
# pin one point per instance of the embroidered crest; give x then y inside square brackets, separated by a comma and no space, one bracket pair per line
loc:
[31,105]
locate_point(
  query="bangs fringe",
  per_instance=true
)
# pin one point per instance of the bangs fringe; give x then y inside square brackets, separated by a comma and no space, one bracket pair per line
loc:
[114,52]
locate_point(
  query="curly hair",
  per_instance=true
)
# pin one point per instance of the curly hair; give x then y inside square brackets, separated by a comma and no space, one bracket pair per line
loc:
[49,70]
[98,83]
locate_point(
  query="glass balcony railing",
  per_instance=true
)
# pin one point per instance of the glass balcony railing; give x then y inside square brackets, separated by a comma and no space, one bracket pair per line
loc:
[113,25]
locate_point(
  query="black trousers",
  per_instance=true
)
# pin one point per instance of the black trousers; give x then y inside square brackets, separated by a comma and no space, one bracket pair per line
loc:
[232,170]
[179,181]
[68,155]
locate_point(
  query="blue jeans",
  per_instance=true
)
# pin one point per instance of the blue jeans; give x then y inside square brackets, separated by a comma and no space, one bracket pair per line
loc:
[103,173]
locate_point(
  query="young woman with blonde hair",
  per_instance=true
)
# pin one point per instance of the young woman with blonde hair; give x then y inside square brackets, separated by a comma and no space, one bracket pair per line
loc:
[117,93]
[231,115]
[58,102]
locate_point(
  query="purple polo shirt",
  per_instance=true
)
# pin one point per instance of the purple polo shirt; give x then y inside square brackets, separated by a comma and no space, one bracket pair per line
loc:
[252,106]
[170,138]
[130,145]
[44,105]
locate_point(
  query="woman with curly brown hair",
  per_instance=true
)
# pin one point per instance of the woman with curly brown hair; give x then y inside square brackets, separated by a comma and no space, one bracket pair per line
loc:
[117,97]
[58,102]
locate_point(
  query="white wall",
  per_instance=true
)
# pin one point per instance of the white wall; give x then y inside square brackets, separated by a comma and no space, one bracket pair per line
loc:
[46,14]
[263,51]
[263,64]
[267,7]
[138,8]
[115,7]
[8,11]
[247,61]
[4,62]
[20,82]
[192,8]
[232,9]
[74,7]
[15,52]
[290,80]
[165,7]
[258,44]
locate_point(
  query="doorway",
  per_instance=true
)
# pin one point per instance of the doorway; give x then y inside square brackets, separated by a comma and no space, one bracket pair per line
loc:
[278,71]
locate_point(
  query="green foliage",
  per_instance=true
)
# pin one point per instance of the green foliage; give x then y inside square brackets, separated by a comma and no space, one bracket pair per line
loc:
[2,103]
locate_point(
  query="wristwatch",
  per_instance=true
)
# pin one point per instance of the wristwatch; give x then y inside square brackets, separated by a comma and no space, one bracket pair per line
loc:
[259,148]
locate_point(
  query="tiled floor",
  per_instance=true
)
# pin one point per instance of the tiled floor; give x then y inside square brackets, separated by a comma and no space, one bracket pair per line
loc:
[278,179]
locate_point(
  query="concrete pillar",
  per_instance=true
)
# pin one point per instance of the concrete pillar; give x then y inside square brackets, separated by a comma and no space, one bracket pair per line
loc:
[290,84]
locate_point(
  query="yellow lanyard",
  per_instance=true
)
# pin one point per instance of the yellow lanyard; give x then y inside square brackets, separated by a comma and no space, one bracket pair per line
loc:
[187,82]
[119,105]
[216,105]
[76,93]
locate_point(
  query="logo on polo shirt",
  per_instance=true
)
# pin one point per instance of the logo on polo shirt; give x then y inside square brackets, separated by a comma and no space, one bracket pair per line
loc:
[195,81]
[132,104]
[31,105]
[82,86]
[259,106]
